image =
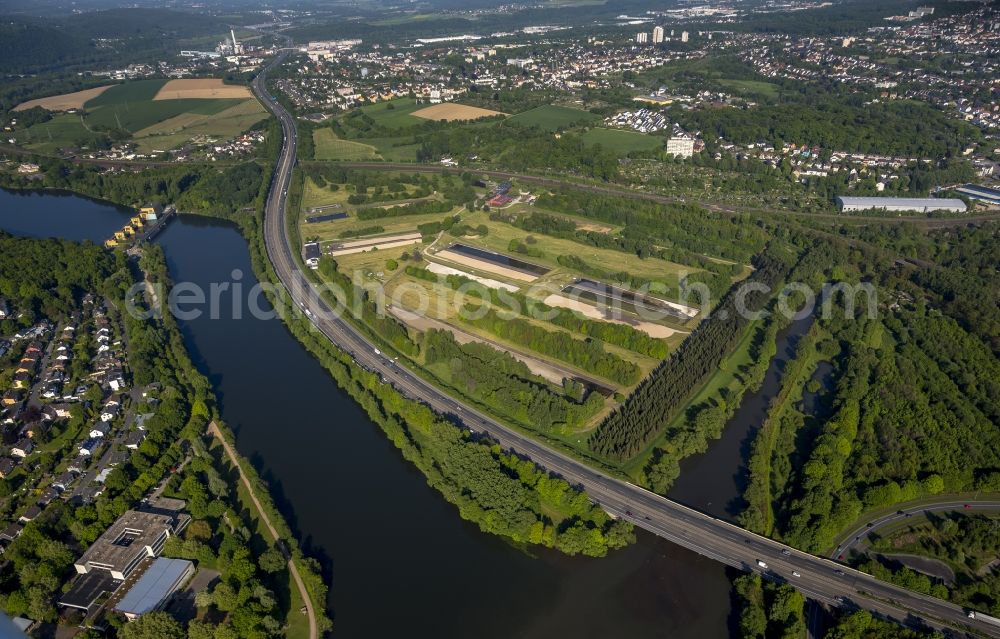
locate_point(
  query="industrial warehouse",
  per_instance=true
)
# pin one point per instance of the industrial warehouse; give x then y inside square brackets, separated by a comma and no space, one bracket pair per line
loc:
[900,204]
[980,193]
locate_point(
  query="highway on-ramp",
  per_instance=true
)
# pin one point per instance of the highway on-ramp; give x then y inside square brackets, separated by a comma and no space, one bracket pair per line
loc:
[857,537]
[816,577]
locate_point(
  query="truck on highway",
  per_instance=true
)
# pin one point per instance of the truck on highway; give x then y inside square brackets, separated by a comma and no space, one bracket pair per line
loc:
[978,616]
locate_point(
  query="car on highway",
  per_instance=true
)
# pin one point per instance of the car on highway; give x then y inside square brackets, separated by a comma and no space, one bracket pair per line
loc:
[762,564]
[795,573]
[840,573]
[786,552]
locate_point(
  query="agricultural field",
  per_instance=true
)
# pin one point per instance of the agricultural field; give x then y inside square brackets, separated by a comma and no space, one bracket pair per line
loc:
[400,149]
[551,117]
[64,102]
[157,114]
[452,112]
[179,129]
[64,129]
[213,88]
[622,141]
[751,87]
[133,117]
[330,147]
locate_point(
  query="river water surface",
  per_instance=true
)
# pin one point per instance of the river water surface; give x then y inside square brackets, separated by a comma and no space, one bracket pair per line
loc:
[400,560]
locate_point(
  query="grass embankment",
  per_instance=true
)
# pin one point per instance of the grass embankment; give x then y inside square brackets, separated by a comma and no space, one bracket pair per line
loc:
[759,515]
[330,147]
[622,142]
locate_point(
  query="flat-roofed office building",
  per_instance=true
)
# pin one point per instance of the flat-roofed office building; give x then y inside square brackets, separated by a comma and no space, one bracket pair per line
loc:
[135,536]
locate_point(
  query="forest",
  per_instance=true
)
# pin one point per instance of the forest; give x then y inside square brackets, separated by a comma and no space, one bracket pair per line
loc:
[899,128]
[631,427]
[47,278]
[33,45]
[904,407]
[190,187]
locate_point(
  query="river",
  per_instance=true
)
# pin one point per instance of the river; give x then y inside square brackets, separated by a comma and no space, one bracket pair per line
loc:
[400,560]
[714,481]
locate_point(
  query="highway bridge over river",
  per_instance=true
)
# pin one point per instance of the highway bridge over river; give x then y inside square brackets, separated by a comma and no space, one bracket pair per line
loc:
[818,578]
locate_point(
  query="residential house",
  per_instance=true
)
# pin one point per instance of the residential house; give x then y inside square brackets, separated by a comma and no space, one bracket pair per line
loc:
[36,428]
[22,448]
[100,429]
[64,481]
[22,380]
[11,397]
[7,466]
[116,380]
[11,414]
[110,410]
[135,439]
[56,411]
[12,532]
[30,514]
[89,446]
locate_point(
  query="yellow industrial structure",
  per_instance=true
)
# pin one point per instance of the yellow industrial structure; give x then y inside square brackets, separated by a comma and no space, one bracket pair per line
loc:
[149,221]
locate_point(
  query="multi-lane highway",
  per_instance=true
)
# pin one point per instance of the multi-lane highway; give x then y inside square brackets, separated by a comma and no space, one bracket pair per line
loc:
[818,578]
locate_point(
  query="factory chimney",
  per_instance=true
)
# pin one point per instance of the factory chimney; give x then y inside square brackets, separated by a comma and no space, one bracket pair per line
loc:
[233,33]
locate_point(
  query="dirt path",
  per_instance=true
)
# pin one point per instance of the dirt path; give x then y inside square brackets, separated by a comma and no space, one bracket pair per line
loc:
[213,428]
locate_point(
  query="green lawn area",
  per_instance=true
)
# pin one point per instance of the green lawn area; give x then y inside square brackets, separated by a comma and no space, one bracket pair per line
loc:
[63,130]
[622,141]
[401,149]
[396,116]
[550,117]
[134,116]
[754,87]
[330,147]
